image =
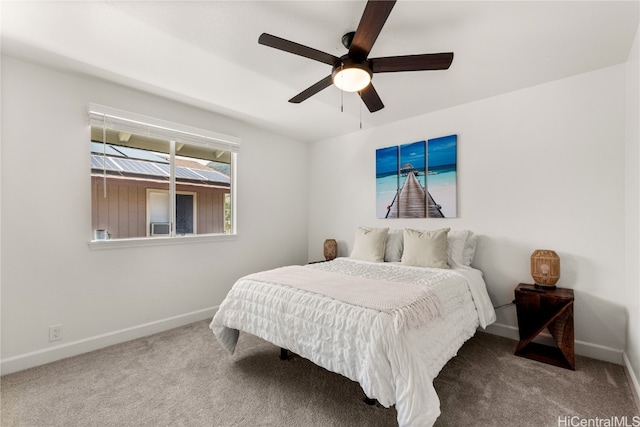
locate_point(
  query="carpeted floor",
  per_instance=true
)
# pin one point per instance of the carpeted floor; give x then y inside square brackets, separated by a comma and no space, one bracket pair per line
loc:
[183,377]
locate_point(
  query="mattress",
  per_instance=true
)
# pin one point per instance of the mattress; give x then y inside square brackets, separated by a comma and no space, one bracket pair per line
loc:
[393,367]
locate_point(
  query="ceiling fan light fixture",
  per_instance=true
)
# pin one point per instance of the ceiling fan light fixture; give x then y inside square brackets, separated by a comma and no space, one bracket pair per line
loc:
[351,76]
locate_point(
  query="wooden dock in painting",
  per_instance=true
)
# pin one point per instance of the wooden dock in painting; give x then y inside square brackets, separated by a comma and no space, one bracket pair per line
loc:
[413,201]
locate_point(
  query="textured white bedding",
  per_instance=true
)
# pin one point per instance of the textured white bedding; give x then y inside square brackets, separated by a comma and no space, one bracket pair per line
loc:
[360,343]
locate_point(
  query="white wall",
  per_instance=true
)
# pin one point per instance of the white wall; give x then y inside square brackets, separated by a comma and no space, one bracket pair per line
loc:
[49,274]
[541,168]
[632,210]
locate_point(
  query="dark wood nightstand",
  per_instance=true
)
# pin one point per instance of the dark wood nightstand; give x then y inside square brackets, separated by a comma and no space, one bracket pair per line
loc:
[538,309]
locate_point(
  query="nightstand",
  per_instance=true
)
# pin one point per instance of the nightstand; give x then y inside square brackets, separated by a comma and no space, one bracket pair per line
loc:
[539,309]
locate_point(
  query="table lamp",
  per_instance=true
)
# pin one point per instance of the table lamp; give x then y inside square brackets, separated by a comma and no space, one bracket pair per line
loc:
[545,268]
[330,249]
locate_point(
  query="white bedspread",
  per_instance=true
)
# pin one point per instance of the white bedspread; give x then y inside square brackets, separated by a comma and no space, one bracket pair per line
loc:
[360,343]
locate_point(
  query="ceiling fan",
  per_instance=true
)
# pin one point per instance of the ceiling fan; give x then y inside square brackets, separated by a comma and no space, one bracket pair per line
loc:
[353,71]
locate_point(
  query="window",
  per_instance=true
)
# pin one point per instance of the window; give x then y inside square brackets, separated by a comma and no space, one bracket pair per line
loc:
[158,212]
[152,179]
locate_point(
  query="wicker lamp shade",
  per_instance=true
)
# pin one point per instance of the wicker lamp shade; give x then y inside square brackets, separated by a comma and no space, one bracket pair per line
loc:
[545,268]
[330,249]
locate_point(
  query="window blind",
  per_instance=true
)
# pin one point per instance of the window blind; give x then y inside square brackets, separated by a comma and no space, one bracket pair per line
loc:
[124,121]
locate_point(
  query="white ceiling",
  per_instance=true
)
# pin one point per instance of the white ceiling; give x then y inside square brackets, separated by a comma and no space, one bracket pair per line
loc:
[206,53]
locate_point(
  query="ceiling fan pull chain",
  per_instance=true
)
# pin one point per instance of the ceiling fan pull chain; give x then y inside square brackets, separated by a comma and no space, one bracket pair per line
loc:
[104,155]
[341,91]
[360,103]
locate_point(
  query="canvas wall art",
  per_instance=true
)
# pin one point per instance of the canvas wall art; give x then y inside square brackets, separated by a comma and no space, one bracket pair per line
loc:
[417,180]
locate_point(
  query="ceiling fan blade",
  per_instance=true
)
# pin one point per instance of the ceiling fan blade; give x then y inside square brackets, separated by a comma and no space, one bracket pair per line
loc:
[371,98]
[427,61]
[312,90]
[297,49]
[373,18]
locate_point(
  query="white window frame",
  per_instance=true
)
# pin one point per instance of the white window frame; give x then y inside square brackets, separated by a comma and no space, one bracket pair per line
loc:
[125,121]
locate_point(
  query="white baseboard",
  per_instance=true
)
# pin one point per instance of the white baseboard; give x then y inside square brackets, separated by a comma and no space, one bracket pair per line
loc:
[633,380]
[74,348]
[594,351]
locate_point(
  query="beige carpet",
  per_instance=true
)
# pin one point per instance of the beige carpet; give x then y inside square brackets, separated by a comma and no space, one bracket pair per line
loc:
[183,377]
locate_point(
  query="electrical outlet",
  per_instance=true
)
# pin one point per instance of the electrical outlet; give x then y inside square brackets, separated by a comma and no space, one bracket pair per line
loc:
[55,333]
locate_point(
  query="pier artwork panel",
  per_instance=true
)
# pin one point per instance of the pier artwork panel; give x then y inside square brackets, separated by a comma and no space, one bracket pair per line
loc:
[442,173]
[417,180]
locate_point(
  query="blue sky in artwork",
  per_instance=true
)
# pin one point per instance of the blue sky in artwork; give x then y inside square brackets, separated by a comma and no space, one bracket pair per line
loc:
[414,154]
[442,151]
[387,160]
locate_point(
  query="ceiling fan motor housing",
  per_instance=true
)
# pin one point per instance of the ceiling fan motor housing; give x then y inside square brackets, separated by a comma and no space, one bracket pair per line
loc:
[347,39]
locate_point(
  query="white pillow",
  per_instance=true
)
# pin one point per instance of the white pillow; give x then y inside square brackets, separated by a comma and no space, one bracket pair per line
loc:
[469,248]
[456,240]
[369,244]
[393,248]
[425,248]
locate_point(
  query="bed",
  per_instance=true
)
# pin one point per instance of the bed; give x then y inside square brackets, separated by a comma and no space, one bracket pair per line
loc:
[379,317]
